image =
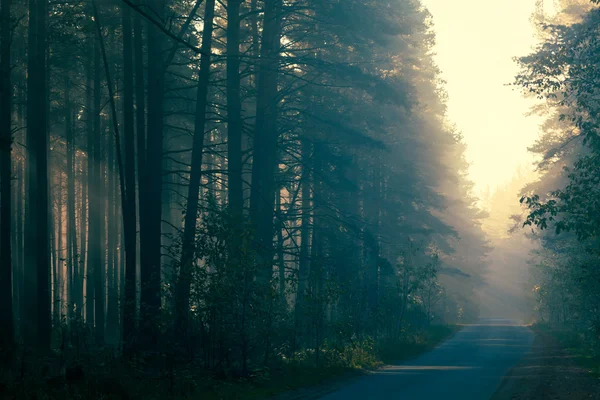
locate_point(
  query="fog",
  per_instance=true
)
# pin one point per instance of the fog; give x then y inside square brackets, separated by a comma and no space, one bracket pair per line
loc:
[218,195]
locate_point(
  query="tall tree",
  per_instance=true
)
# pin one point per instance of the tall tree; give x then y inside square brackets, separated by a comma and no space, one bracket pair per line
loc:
[188,249]
[72,255]
[91,192]
[37,142]
[130,208]
[6,266]
[96,261]
[265,137]
[234,110]
[151,204]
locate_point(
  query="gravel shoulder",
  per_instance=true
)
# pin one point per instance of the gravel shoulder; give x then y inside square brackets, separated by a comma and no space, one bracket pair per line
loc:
[548,372]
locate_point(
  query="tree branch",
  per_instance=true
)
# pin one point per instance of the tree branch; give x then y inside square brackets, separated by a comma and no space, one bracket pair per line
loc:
[160,26]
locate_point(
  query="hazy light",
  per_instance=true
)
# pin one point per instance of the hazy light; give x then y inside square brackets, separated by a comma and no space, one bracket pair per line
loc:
[476,43]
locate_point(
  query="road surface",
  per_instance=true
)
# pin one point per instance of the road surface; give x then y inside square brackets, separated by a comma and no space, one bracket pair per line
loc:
[471,365]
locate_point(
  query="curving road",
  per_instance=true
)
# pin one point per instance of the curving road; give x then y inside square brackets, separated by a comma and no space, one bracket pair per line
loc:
[471,365]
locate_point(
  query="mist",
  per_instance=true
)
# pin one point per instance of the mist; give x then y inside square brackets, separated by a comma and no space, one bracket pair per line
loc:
[237,199]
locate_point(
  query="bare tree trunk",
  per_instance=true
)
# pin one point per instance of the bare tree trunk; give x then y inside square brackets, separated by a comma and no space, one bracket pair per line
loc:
[316,249]
[140,121]
[150,202]
[112,306]
[189,231]
[83,217]
[72,254]
[58,252]
[265,138]
[280,255]
[15,242]
[20,213]
[304,264]
[130,207]
[97,206]
[91,193]
[6,266]
[255,32]
[118,253]
[38,206]
[18,250]
[234,114]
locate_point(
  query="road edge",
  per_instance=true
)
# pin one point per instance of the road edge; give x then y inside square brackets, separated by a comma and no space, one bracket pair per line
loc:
[507,384]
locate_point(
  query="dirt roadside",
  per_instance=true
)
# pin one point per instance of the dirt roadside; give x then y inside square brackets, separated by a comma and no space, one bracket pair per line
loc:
[548,372]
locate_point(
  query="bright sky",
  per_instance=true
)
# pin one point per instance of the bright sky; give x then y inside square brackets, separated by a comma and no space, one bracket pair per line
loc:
[476,43]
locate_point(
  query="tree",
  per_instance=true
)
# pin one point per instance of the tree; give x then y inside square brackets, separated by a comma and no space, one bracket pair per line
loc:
[188,248]
[129,199]
[6,272]
[562,71]
[330,115]
[37,141]
[150,202]
[262,200]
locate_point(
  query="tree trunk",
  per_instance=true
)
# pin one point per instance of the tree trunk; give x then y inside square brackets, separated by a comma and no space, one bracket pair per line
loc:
[58,252]
[112,304]
[182,304]
[150,207]
[91,194]
[6,268]
[38,205]
[304,264]
[72,255]
[16,247]
[115,123]
[18,269]
[316,278]
[265,139]
[97,207]
[234,116]
[129,229]
[140,121]
[280,256]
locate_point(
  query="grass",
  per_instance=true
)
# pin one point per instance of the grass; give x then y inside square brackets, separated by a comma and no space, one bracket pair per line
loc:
[416,344]
[585,352]
[337,364]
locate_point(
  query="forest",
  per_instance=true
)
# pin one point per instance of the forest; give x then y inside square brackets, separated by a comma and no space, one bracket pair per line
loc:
[230,185]
[561,204]
[241,190]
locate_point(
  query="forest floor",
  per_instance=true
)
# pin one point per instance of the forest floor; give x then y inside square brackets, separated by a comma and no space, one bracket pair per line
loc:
[559,366]
[400,353]
[285,381]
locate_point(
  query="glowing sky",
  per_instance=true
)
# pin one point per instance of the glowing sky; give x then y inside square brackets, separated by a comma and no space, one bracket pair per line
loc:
[476,43]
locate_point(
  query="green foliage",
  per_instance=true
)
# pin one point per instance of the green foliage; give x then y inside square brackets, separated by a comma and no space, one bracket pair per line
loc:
[563,71]
[113,379]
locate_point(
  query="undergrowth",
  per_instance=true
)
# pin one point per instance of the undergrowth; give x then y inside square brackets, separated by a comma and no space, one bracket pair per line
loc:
[584,347]
[102,375]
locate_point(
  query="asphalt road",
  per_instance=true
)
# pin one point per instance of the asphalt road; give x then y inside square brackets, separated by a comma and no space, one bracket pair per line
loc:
[470,365]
